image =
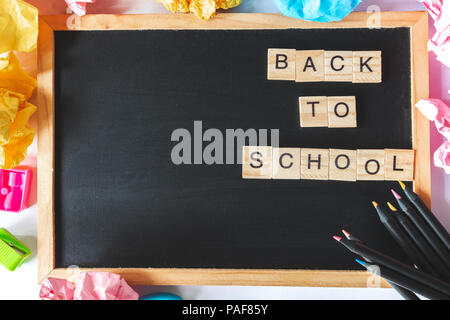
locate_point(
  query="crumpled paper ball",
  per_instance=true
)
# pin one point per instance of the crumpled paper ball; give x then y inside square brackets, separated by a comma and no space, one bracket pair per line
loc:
[203,9]
[18,26]
[317,10]
[15,135]
[9,105]
[88,286]
[57,289]
[13,153]
[442,157]
[13,77]
[438,112]
[439,11]
[78,6]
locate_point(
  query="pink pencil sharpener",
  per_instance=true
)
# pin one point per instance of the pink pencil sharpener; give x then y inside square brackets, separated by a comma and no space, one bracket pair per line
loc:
[14,189]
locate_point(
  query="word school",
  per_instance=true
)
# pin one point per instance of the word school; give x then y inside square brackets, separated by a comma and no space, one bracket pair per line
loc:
[320,65]
[260,162]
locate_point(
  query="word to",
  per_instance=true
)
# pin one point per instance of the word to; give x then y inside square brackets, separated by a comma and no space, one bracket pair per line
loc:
[331,112]
[320,65]
[260,162]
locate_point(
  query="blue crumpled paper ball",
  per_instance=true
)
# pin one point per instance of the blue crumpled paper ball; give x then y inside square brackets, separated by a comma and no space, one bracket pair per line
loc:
[317,10]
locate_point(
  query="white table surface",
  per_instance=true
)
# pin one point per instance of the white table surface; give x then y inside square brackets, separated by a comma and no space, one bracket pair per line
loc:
[22,283]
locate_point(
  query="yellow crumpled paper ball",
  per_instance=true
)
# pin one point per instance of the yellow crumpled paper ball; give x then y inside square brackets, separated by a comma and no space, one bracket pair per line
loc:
[18,26]
[16,150]
[203,9]
[15,135]
[13,77]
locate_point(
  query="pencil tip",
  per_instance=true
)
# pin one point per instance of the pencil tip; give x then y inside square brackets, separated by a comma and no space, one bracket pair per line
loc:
[375,204]
[395,194]
[402,185]
[391,206]
[337,238]
[347,234]
[361,262]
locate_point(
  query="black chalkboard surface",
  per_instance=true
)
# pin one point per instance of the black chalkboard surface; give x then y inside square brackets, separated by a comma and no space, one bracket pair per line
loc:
[121,202]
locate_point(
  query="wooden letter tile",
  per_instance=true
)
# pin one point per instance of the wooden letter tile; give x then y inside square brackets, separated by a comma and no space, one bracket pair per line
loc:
[370,164]
[342,165]
[341,112]
[399,164]
[339,66]
[314,164]
[256,162]
[366,66]
[313,111]
[281,64]
[286,163]
[309,66]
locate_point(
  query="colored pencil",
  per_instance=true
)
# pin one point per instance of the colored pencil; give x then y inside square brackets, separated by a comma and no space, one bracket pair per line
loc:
[423,227]
[403,239]
[391,263]
[427,215]
[404,282]
[405,293]
[438,268]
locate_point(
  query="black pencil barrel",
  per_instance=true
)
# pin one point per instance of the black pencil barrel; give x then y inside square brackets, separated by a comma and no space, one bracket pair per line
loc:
[404,240]
[429,217]
[426,231]
[438,269]
[405,293]
[407,283]
[396,265]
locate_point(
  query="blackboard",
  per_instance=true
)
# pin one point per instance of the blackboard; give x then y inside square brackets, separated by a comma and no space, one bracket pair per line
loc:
[119,201]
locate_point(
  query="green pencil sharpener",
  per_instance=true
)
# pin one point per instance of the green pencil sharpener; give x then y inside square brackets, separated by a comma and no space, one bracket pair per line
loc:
[12,253]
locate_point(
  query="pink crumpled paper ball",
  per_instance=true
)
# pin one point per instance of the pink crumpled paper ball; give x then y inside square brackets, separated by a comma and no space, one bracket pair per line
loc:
[78,6]
[439,11]
[442,157]
[438,112]
[88,286]
[57,289]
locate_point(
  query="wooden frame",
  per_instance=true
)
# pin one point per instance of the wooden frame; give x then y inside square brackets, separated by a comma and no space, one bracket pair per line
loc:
[416,21]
